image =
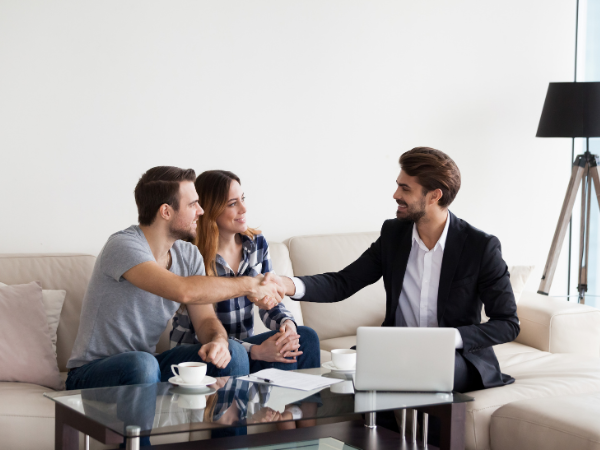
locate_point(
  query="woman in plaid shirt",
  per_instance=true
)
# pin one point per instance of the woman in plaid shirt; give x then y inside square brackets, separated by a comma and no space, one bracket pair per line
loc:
[226,242]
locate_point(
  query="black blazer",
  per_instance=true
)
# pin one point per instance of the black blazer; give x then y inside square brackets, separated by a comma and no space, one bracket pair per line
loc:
[473,273]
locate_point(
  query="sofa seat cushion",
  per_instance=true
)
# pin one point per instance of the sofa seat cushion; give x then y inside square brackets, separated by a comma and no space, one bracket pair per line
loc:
[340,342]
[513,353]
[24,399]
[551,423]
[26,417]
[544,376]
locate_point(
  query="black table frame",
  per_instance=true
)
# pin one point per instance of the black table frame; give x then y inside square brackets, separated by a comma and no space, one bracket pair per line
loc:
[68,424]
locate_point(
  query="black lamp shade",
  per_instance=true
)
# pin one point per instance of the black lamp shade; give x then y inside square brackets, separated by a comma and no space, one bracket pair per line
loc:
[571,110]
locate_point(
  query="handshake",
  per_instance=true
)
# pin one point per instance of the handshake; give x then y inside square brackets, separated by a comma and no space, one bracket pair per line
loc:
[268,291]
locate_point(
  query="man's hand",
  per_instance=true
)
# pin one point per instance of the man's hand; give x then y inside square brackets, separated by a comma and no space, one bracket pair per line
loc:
[268,293]
[266,303]
[216,352]
[286,285]
[268,351]
[289,339]
[273,277]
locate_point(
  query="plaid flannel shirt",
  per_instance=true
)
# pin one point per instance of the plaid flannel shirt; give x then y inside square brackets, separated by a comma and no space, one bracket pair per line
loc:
[236,314]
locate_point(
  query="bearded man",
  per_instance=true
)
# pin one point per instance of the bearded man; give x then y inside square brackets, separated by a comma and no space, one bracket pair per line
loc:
[140,278]
[438,271]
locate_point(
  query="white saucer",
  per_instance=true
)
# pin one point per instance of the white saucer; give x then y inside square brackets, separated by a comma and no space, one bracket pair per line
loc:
[329,365]
[205,382]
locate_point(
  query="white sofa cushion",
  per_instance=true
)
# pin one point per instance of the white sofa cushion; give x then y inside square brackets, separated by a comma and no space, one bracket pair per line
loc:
[558,326]
[543,375]
[552,423]
[26,417]
[340,342]
[518,279]
[326,253]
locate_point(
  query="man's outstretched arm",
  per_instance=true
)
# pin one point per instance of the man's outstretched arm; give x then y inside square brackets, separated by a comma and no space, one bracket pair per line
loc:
[201,290]
[335,286]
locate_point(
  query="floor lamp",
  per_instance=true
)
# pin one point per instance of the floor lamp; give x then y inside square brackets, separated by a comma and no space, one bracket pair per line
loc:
[573,110]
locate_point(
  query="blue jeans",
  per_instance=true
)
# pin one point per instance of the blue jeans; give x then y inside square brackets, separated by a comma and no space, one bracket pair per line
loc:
[142,368]
[309,345]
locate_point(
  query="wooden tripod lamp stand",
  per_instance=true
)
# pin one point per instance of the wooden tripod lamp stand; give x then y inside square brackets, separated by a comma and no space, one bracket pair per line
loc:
[573,110]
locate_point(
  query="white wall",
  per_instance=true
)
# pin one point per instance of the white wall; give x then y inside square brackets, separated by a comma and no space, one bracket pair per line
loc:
[310,102]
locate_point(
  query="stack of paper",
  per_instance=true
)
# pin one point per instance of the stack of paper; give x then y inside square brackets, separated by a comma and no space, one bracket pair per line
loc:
[289,379]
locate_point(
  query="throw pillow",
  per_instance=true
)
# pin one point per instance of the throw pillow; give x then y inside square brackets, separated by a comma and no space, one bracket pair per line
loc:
[25,347]
[518,279]
[53,302]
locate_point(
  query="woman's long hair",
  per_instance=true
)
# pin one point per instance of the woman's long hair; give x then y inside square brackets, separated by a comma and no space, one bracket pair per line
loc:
[212,187]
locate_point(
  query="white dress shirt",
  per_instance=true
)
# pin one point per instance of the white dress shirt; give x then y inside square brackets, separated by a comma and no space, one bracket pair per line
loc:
[417,306]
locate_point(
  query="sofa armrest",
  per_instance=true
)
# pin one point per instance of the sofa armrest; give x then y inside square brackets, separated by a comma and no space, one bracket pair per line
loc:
[558,326]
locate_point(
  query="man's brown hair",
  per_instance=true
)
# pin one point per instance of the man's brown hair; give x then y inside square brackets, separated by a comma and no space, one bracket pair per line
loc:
[158,186]
[433,170]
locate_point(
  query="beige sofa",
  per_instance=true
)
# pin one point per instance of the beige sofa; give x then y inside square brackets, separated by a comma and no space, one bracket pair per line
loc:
[556,354]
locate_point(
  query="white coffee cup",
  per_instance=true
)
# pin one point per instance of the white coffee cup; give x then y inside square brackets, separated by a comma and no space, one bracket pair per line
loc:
[190,401]
[190,372]
[343,358]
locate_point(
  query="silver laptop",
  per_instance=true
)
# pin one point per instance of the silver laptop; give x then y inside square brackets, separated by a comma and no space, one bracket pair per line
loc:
[404,359]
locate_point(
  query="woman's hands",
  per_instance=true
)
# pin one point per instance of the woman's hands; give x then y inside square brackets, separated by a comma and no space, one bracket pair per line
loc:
[279,347]
[288,340]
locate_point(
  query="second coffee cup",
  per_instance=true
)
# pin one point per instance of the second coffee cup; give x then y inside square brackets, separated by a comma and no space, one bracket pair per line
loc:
[190,372]
[343,358]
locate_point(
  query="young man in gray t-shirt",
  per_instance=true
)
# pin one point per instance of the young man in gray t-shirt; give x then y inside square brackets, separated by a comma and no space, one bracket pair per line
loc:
[140,278]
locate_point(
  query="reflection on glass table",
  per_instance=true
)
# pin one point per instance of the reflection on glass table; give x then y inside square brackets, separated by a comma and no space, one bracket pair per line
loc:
[225,408]
[162,408]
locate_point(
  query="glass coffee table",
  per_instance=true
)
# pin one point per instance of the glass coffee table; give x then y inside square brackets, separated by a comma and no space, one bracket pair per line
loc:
[133,414]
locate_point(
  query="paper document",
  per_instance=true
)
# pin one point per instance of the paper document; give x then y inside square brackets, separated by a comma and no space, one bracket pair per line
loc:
[288,379]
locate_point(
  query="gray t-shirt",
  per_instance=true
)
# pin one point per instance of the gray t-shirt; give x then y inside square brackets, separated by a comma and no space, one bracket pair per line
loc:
[118,317]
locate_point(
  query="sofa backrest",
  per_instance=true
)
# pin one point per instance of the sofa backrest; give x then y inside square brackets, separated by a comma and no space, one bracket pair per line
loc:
[303,255]
[70,272]
[311,255]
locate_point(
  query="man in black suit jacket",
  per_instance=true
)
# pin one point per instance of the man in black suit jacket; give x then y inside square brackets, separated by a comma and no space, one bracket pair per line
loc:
[437,270]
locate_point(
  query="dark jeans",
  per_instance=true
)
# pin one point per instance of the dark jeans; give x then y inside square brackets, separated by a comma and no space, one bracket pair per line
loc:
[142,368]
[146,369]
[309,345]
